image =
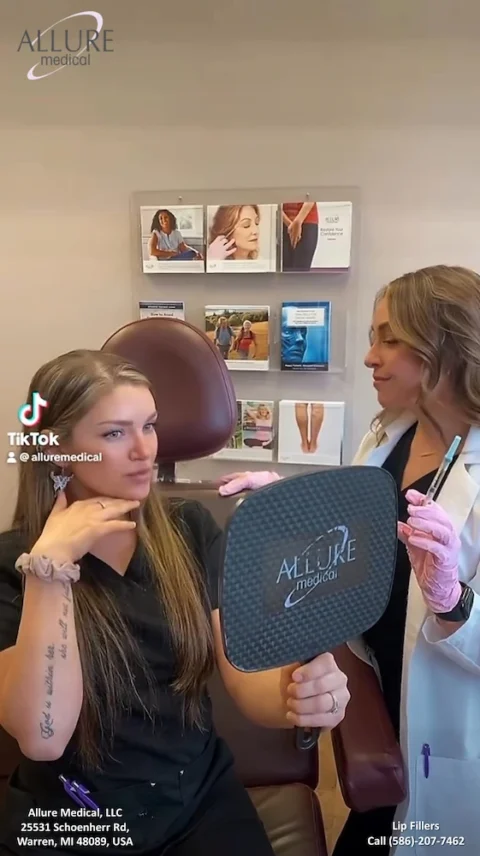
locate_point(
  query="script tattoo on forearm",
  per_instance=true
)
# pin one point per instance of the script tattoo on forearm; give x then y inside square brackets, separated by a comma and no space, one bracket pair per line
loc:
[49,680]
[67,594]
[50,652]
[50,655]
[46,723]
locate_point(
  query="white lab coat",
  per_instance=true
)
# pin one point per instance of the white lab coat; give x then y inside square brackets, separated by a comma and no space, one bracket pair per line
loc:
[441,677]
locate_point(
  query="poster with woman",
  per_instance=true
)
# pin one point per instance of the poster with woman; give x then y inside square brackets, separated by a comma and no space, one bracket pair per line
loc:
[316,236]
[241,334]
[253,437]
[172,238]
[311,432]
[242,238]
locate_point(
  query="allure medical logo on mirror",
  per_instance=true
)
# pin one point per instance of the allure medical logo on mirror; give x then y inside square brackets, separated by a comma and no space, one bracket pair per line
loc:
[318,565]
[78,40]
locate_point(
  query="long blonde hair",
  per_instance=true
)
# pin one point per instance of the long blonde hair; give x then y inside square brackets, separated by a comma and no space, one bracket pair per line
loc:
[435,311]
[225,220]
[110,656]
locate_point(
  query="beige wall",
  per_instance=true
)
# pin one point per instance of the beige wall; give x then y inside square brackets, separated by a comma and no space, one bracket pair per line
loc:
[240,94]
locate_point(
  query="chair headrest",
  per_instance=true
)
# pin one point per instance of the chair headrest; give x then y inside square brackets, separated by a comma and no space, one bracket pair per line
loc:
[193,391]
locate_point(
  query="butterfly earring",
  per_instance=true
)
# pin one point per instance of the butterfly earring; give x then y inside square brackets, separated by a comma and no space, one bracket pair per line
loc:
[60,481]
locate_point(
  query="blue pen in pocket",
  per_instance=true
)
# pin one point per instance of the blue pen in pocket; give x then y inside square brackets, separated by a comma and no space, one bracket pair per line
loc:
[84,795]
[426,759]
[78,793]
[70,791]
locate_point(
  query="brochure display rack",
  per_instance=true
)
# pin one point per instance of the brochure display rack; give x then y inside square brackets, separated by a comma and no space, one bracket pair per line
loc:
[273,283]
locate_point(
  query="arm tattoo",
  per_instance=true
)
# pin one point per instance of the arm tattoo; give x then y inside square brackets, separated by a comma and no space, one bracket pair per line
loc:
[49,680]
[50,652]
[50,655]
[46,725]
[67,591]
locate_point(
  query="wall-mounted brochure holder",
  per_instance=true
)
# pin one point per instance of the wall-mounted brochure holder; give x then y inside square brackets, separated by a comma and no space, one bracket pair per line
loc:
[267,291]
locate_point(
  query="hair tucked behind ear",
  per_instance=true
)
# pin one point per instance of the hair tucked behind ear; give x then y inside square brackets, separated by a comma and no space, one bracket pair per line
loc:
[109,653]
[436,312]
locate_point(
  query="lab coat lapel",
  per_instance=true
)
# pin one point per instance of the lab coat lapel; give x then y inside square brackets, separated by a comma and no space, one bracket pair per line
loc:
[379,454]
[416,604]
[461,488]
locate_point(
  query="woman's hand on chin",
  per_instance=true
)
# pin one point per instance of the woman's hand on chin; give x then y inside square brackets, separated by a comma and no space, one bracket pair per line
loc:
[71,531]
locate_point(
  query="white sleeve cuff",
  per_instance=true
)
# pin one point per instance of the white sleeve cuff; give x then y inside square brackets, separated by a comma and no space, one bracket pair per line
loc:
[462,646]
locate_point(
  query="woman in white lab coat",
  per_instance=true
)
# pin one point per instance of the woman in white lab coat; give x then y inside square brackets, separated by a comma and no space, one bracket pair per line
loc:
[425,360]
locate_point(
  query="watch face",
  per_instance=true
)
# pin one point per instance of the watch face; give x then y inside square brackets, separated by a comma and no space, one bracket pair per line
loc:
[466,602]
[460,612]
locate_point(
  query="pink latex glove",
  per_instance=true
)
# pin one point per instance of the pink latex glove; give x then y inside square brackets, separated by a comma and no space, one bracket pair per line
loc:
[433,547]
[237,482]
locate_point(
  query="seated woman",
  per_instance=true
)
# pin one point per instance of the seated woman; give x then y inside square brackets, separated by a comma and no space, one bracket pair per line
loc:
[109,630]
[260,420]
[166,241]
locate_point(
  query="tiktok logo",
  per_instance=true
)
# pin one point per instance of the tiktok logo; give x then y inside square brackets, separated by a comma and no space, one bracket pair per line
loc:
[29,414]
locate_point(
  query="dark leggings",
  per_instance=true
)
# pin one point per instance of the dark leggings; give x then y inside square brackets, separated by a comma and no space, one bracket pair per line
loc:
[226,824]
[359,828]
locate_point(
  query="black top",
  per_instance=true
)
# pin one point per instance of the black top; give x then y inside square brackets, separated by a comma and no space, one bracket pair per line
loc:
[386,637]
[182,762]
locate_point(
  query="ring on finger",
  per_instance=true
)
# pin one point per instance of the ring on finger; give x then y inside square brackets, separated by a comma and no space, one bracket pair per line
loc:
[335,705]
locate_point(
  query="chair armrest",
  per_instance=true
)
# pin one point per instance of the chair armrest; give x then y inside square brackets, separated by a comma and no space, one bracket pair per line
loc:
[368,757]
[263,756]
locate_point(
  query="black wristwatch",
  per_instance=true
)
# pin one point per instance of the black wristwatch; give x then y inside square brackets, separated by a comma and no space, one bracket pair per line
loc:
[460,612]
